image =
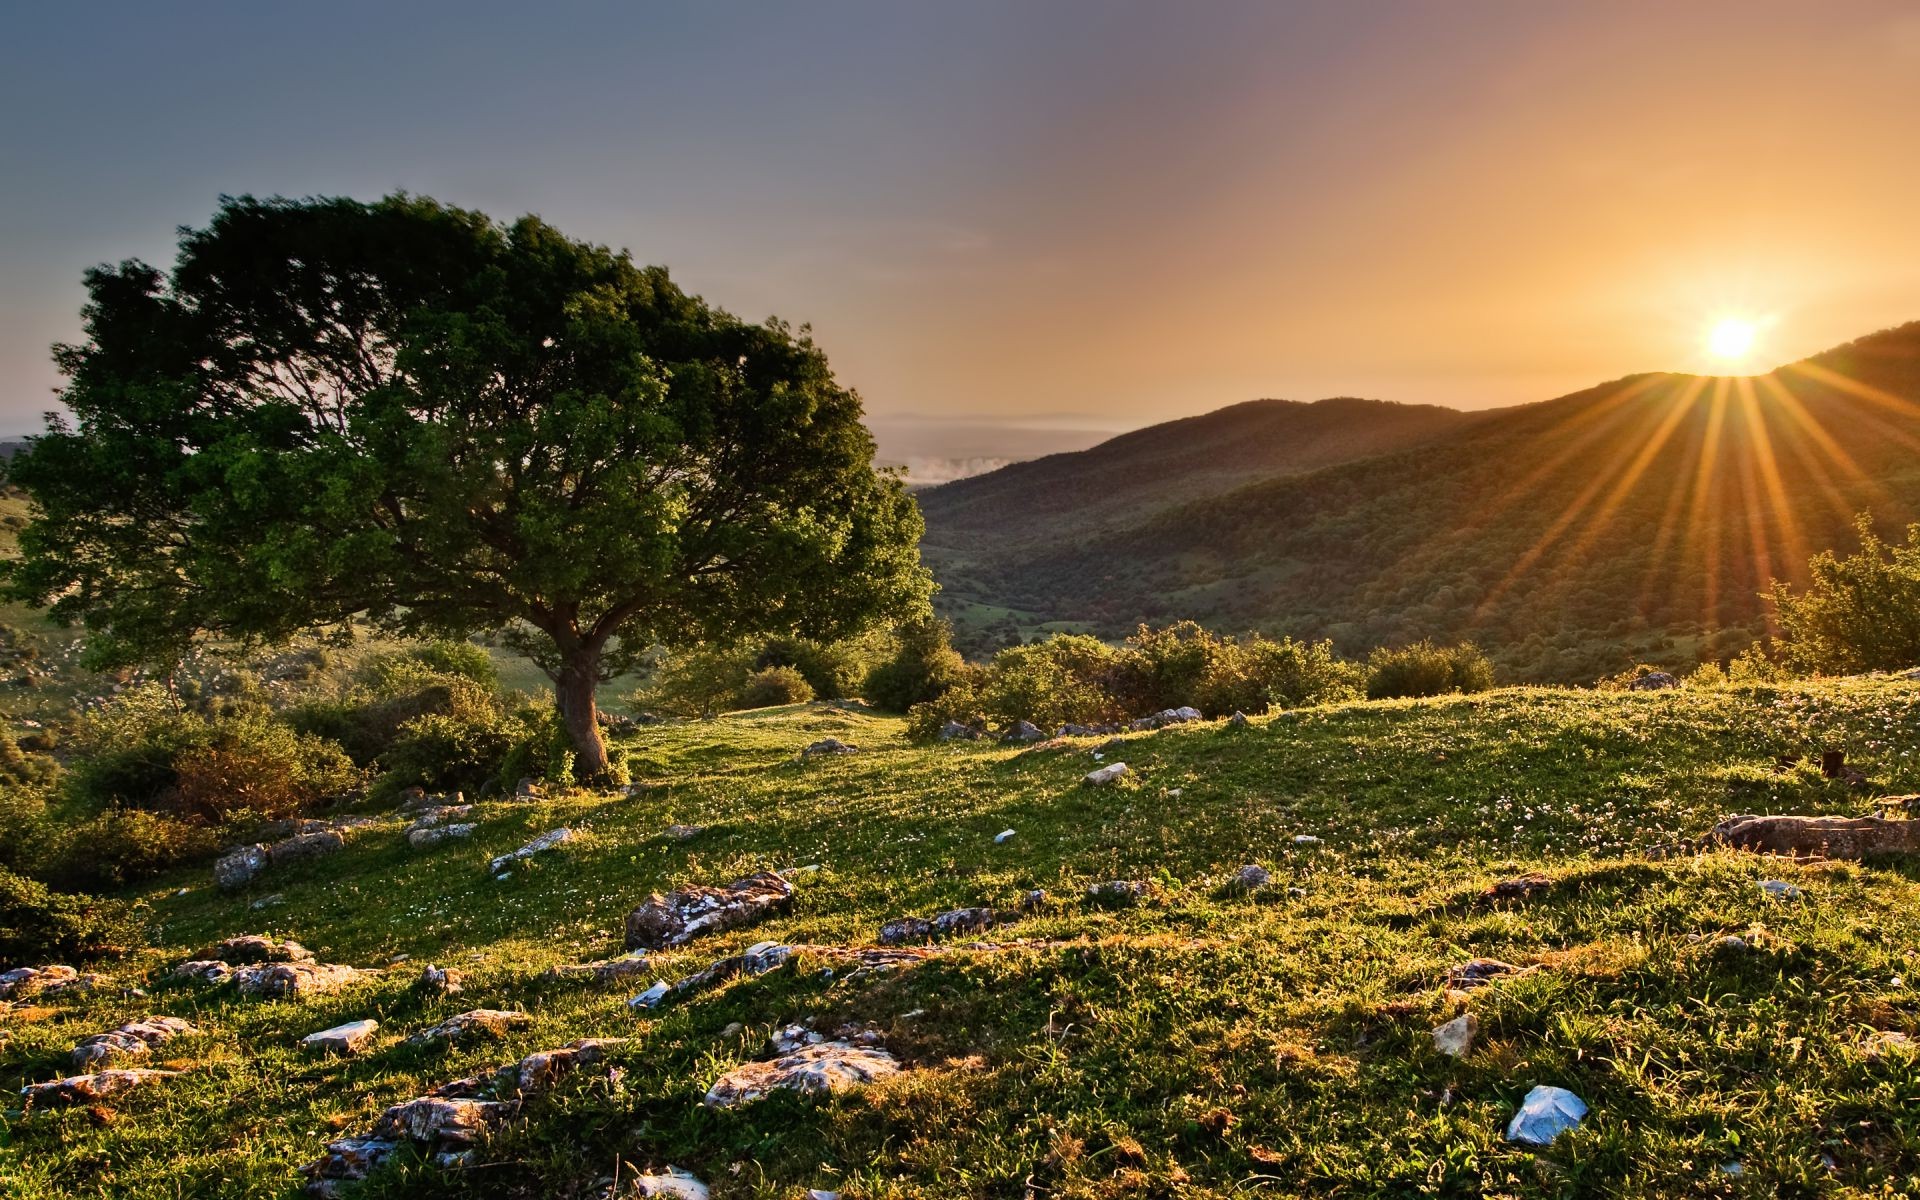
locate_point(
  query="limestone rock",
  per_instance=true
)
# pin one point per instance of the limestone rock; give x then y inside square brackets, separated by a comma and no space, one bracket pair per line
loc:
[1817,837]
[347,1160]
[429,836]
[1478,972]
[612,970]
[540,1071]
[825,1067]
[1520,887]
[257,948]
[1023,731]
[546,841]
[954,731]
[663,922]
[470,1025]
[672,1183]
[1117,892]
[202,970]
[444,980]
[1111,773]
[1455,1038]
[830,745]
[1654,681]
[682,833]
[1544,1115]
[274,981]
[1238,720]
[46,981]
[1003,837]
[238,868]
[351,1038]
[90,1089]
[306,845]
[437,1120]
[1779,889]
[133,1040]
[1166,717]
[1252,877]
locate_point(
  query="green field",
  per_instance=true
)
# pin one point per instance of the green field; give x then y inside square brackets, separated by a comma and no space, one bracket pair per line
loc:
[1204,1043]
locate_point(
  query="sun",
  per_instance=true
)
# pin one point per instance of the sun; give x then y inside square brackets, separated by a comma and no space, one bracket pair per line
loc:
[1732,339]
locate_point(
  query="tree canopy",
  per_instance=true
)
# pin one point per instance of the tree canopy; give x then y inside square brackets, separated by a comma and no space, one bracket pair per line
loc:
[1857,613]
[409,413]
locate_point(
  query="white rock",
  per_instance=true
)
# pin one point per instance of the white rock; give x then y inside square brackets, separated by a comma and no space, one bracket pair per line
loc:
[546,841]
[1544,1115]
[650,998]
[1110,773]
[1779,889]
[1305,839]
[1455,1038]
[351,1038]
[1003,836]
[672,1182]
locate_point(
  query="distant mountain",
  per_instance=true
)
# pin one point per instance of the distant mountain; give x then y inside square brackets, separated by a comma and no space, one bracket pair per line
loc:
[1637,519]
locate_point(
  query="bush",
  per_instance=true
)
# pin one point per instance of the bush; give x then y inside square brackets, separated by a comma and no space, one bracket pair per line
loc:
[926,719]
[39,926]
[775,685]
[1859,613]
[831,669]
[1068,678]
[455,750]
[126,845]
[698,681]
[1425,669]
[923,666]
[1258,674]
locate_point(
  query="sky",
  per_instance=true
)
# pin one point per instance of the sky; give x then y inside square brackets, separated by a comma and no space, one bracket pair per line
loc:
[1054,215]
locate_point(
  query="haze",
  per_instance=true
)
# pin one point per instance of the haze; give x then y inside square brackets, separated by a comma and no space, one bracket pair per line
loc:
[1071,216]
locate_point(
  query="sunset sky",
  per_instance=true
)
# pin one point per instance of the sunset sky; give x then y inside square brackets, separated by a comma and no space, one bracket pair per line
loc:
[1097,214]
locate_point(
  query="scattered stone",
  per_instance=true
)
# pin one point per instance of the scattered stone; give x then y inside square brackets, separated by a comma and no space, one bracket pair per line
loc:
[1885,1042]
[1733,942]
[257,948]
[474,1023]
[541,1071]
[1034,901]
[1815,837]
[1653,681]
[546,841]
[1238,720]
[1544,1115]
[1779,889]
[672,1183]
[954,731]
[202,971]
[347,1160]
[351,1038]
[25,981]
[306,845]
[612,970]
[90,1089]
[527,789]
[1111,773]
[1252,877]
[682,833]
[274,981]
[758,959]
[1072,730]
[1023,731]
[822,1194]
[439,814]
[133,1040]
[1004,836]
[902,931]
[1478,972]
[267,902]
[675,919]
[810,1070]
[1165,717]
[444,980]
[1117,891]
[238,868]
[1521,887]
[653,997]
[830,745]
[433,835]
[439,1120]
[1306,840]
[1455,1038]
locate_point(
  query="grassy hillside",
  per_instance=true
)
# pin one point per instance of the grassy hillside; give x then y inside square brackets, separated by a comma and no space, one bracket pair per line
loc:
[1204,1043]
[1637,519]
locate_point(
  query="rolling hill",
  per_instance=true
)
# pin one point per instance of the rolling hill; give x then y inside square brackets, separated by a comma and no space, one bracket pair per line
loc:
[1637,519]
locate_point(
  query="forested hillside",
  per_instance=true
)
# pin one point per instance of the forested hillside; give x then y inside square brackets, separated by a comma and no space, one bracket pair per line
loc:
[1640,518]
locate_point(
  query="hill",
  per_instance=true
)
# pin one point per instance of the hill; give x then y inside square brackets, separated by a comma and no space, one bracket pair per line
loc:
[1203,1042]
[1637,519]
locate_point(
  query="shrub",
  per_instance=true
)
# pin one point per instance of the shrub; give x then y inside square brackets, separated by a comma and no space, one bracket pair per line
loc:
[775,685]
[38,925]
[696,682]
[256,767]
[397,671]
[923,666]
[1426,669]
[1257,674]
[961,703]
[458,749]
[1067,678]
[1166,668]
[126,845]
[831,669]
[1859,613]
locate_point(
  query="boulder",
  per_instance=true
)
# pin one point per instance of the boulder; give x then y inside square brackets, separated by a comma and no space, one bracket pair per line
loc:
[758,959]
[1252,877]
[1238,721]
[429,836]
[903,931]
[202,970]
[1653,681]
[1111,773]
[612,970]
[1455,1038]
[351,1038]
[810,1070]
[1817,837]
[237,868]
[258,948]
[306,845]
[274,981]
[1544,1115]
[540,1071]
[346,1161]
[443,980]
[30,981]
[1479,972]
[1023,731]
[133,1040]
[545,842]
[1166,717]
[830,745]
[91,1089]
[954,731]
[471,1025]
[439,1120]
[1072,730]
[1117,892]
[663,922]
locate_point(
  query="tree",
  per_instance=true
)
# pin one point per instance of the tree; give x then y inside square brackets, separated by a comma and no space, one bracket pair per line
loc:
[1858,613]
[408,413]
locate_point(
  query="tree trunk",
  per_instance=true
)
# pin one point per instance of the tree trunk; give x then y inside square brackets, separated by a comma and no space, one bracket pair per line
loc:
[573,696]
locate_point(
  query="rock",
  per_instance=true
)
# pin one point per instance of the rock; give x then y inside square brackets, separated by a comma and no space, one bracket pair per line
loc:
[439,814]
[526,789]
[546,841]
[1455,1038]
[257,948]
[954,731]
[902,931]
[681,833]
[1072,730]
[351,1038]
[612,970]
[963,920]
[1034,901]
[1779,889]
[1117,892]
[1544,1115]
[267,902]
[135,1039]
[653,997]
[1252,877]
[1817,837]
[347,1160]
[1111,773]
[539,1072]
[1166,717]
[1238,721]
[238,868]
[202,971]
[444,980]
[673,1183]
[810,1070]
[305,845]
[758,959]
[1023,731]
[90,1089]
[1654,681]
[822,1194]
[433,835]
[829,746]
[1306,840]
[1478,972]
[274,981]
[1518,888]
[675,919]
[438,1120]
[26,981]
[1004,836]
[472,1024]
[1883,1043]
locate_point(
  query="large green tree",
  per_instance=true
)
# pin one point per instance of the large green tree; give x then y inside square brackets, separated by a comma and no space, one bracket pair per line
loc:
[408,413]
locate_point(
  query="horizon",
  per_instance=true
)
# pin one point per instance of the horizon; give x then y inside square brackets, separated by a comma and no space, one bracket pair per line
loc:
[1113,229]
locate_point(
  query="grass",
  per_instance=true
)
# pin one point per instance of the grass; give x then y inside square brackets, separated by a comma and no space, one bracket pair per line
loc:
[1202,1044]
